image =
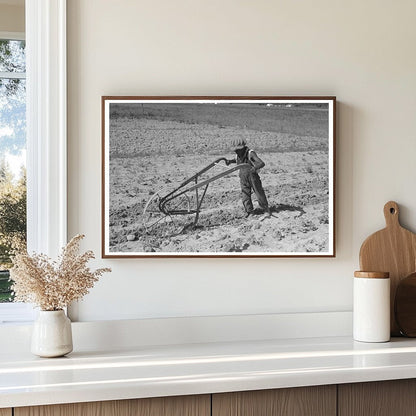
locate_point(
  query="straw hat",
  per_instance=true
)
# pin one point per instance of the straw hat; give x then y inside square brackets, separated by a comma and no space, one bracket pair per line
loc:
[238,143]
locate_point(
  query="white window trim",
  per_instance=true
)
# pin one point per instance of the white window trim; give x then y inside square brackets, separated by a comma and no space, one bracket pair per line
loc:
[13,75]
[12,35]
[46,133]
[46,125]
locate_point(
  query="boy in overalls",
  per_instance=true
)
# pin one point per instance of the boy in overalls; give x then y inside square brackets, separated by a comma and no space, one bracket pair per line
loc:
[249,178]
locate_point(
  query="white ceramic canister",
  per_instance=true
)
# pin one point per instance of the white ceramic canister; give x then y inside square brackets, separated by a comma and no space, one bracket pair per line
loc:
[371,310]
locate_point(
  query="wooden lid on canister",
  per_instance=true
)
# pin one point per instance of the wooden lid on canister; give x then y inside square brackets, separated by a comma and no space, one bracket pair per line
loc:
[372,275]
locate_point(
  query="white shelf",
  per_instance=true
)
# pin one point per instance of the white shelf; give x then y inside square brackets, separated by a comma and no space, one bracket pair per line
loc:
[151,371]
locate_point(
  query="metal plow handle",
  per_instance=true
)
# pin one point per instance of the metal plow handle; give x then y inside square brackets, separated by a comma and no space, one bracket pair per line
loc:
[159,208]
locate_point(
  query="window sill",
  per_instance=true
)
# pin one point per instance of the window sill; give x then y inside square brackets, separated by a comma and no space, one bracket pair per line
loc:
[16,313]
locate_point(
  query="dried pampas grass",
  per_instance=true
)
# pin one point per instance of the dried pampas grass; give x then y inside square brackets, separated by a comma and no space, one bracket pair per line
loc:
[53,285]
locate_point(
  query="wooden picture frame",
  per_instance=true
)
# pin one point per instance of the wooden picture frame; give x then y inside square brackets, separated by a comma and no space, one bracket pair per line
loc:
[182,176]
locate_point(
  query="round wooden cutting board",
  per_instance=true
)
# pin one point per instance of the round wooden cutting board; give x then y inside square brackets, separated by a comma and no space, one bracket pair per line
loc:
[405,305]
[393,250]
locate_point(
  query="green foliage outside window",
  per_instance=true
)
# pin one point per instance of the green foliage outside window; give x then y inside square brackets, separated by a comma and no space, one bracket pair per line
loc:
[12,223]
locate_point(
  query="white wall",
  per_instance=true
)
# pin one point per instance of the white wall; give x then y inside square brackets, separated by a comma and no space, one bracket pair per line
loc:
[361,51]
[12,18]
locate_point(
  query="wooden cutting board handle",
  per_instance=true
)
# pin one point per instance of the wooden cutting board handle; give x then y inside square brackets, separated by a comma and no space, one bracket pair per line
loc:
[391,214]
[393,250]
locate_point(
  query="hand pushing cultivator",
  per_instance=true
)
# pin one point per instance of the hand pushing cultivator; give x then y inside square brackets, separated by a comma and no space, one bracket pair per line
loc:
[186,199]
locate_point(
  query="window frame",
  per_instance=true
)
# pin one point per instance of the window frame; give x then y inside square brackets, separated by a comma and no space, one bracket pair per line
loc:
[46,137]
[13,36]
[14,312]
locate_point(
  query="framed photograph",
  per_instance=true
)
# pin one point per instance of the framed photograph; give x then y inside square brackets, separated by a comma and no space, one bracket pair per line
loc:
[218,177]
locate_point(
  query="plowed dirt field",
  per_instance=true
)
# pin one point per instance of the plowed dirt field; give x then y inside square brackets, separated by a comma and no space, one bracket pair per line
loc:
[153,148]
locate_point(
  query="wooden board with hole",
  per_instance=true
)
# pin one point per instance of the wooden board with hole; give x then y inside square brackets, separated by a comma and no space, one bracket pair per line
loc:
[392,250]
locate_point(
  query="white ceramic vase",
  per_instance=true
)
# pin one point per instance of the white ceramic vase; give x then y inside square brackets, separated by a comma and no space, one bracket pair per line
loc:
[52,334]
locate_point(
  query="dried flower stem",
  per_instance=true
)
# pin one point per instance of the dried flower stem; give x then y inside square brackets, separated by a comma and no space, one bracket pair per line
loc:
[53,285]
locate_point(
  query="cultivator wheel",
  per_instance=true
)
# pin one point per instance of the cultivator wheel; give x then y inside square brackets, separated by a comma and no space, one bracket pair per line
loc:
[156,222]
[152,216]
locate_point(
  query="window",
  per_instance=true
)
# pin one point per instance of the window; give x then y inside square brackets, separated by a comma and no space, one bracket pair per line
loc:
[12,154]
[46,133]
[12,165]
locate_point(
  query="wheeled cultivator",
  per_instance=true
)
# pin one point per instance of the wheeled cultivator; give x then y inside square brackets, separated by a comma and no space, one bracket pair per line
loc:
[186,199]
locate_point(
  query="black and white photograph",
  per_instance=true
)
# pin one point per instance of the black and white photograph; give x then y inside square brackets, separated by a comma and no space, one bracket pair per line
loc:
[218,176]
